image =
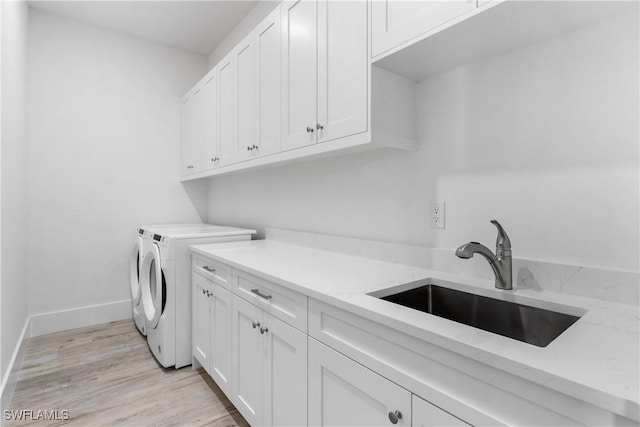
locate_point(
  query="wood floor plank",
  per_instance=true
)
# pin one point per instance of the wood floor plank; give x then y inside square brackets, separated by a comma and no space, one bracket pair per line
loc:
[105,375]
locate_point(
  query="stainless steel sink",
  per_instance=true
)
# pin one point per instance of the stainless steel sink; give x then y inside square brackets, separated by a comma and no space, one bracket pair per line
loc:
[525,323]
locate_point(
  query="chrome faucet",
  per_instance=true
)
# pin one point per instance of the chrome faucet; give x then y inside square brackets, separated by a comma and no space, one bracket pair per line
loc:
[500,262]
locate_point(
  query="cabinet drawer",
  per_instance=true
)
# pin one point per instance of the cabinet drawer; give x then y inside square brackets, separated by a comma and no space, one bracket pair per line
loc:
[212,270]
[283,303]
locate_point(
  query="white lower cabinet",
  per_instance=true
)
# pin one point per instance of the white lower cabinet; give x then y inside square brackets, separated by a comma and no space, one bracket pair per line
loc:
[345,393]
[200,330]
[250,336]
[424,414]
[269,368]
[212,317]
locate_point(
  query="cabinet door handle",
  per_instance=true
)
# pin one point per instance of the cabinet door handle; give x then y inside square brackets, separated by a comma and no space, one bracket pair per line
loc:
[309,129]
[209,269]
[395,416]
[264,331]
[203,292]
[319,126]
[260,294]
[255,324]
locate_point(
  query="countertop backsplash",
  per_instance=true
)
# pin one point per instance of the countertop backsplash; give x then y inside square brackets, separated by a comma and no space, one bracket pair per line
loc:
[611,285]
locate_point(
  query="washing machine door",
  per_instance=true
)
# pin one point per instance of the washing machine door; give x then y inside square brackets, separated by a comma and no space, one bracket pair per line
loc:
[134,270]
[153,287]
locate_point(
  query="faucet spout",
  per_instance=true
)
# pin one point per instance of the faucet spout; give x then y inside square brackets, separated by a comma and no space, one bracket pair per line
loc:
[467,251]
[500,262]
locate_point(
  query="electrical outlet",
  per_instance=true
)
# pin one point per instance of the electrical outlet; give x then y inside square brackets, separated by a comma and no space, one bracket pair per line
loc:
[437,214]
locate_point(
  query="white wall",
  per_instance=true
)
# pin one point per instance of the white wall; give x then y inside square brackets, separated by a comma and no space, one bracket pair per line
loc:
[104,118]
[13,228]
[543,138]
[244,27]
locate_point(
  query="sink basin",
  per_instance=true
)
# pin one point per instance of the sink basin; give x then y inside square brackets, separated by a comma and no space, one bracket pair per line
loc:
[532,325]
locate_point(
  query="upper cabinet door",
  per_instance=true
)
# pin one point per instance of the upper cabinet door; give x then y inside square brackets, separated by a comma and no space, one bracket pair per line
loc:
[211,150]
[244,56]
[299,67]
[227,109]
[187,136]
[268,45]
[198,107]
[394,22]
[342,69]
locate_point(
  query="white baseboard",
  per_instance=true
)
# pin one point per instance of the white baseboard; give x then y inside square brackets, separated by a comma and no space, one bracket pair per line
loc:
[56,321]
[9,381]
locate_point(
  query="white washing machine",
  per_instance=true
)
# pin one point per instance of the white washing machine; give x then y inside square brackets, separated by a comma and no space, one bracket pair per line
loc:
[165,286]
[137,254]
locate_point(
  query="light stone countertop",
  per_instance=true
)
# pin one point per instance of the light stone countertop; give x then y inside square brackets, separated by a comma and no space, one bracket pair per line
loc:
[595,360]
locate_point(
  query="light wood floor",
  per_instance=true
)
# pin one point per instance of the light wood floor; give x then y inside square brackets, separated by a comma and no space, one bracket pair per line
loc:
[105,375]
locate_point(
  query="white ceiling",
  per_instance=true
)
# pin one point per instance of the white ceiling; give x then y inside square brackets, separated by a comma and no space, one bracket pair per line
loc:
[198,26]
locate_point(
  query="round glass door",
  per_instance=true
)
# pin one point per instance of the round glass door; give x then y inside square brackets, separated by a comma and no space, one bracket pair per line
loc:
[134,270]
[153,287]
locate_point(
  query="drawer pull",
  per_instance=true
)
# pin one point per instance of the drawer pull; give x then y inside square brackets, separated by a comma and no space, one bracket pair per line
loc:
[209,269]
[260,294]
[395,416]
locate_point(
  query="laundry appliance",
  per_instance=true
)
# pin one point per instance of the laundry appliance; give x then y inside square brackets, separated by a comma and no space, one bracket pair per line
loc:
[165,287]
[137,254]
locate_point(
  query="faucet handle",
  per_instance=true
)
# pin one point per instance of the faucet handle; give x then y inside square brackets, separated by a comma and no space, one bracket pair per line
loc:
[502,242]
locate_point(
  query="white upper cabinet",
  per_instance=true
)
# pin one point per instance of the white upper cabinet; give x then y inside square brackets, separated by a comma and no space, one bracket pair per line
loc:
[395,22]
[301,77]
[299,68]
[187,149]
[199,142]
[325,71]
[343,65]
[211,150]
[268,76]
[194,144]
[244,56]
[227,108]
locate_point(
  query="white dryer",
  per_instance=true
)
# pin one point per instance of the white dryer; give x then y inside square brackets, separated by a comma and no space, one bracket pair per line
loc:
[165,286]
[137,254]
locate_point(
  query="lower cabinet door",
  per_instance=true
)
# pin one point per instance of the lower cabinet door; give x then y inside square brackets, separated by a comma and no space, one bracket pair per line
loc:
[284,375]
[345,393]
[427,415]
[247,360]
[201,302]
[220,337]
